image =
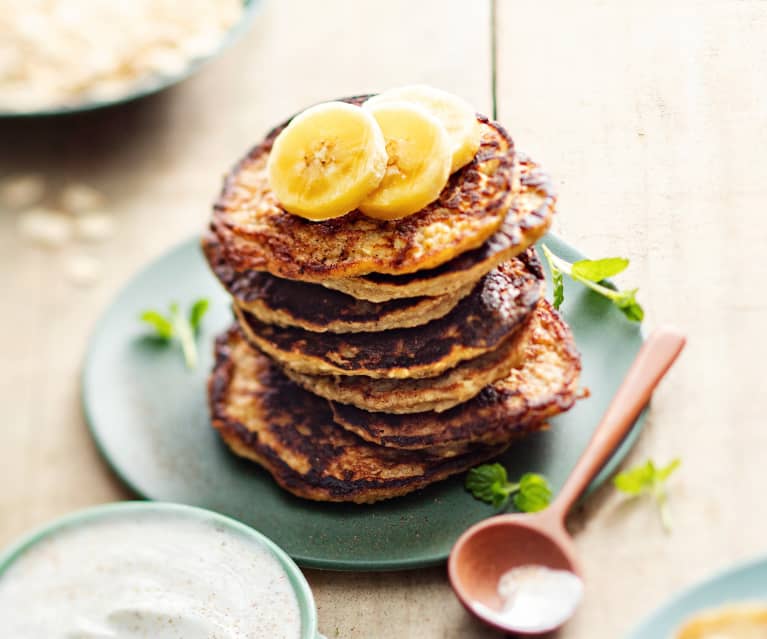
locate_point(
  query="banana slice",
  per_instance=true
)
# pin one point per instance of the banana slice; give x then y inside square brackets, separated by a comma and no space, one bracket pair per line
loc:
[324,163]
[457,116]
[419,160]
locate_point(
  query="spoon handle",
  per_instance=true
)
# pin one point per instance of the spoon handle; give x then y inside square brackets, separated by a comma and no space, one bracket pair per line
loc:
[650,365]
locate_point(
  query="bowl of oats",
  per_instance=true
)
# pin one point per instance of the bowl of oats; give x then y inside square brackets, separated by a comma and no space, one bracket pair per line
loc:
[62,56]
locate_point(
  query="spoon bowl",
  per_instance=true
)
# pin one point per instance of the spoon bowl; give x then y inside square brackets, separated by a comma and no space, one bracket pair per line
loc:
[491,548]
[485,552]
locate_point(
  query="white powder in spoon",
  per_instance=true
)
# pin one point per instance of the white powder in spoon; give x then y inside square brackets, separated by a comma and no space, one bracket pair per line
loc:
[535,598]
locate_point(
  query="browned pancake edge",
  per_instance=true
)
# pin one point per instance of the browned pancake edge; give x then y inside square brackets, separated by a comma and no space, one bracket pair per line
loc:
[544,384]
[479,323]
[263,416]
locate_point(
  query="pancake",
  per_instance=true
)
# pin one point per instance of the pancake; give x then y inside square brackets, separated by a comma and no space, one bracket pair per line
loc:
[273,300]
[400,396]
[497,305]
[258,234]
[544,385]
[438,394]
[263,416]
[532,210]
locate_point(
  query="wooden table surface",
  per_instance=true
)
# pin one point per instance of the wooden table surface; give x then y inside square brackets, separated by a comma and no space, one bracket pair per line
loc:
[651,117]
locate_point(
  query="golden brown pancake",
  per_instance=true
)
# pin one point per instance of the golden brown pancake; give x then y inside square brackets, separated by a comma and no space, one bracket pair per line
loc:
[532,210]
[399,396]
[480,322]
[543,385]
[263,416]
[273,300]
[258,234]
[437,394]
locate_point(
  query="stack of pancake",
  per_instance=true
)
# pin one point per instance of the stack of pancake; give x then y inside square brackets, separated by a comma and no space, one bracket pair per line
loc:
[371,358]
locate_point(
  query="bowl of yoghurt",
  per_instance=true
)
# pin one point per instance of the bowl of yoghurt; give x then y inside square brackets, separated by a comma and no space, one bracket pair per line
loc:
[152,570]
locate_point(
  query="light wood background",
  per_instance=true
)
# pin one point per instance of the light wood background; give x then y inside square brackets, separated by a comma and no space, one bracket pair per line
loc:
[652,118]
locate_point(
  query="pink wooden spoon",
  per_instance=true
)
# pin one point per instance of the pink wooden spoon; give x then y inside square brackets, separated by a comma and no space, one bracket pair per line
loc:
[491,548]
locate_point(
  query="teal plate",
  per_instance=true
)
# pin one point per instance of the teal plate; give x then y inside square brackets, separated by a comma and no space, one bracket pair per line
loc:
[149,417]
[745,583]
[156,83]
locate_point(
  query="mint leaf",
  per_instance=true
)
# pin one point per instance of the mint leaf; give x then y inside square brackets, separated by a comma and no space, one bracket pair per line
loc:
[559,287]
[176,325]
[489,483]
[636,480]
[648,479]
[598,270]
[534,493]
[198,310]
[665,473]
[556,277]
[627,303]
[590,273]
[162,326]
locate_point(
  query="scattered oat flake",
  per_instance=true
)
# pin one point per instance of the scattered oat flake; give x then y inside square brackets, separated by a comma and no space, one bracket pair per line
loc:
[83,270]
[94,227]
[21,191]
[81,198]
[46,227]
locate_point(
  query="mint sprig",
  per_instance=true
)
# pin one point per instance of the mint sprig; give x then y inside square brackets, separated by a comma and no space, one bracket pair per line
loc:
[182,327]
[490,483]
[648,479]
[591,273]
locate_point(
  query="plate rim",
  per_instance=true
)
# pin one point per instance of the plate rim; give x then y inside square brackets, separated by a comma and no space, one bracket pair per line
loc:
[691,589]
[423,560]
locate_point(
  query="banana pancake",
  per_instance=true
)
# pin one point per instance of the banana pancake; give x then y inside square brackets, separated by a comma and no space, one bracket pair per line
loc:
[437,394]
[529,217]
[273,300]
[263,416]
[480,322]
[258,234]
[544,385]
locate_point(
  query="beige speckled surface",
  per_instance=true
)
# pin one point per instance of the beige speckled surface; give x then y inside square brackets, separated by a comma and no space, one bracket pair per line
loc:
[653,122]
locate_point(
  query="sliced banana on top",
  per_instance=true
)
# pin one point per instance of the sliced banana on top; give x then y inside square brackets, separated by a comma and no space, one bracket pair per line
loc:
[456,115]
[324,163]
[419,160]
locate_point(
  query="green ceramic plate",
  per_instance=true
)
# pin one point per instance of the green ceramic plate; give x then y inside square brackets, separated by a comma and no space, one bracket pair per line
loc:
[156,83]
[745,583]
[130,510]
[149,417]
